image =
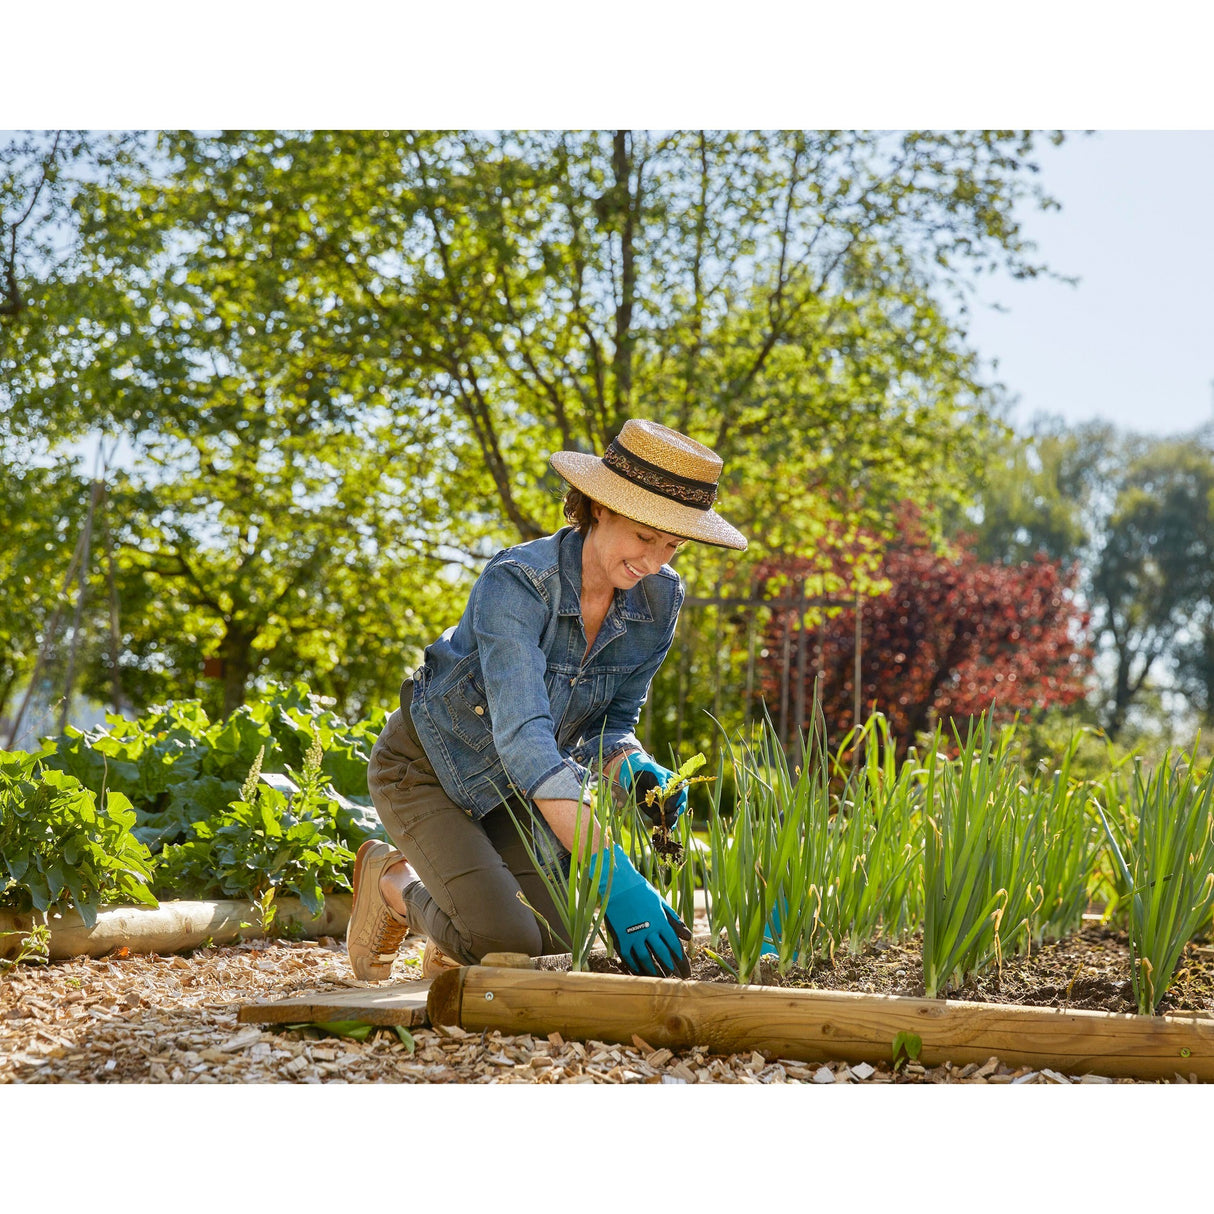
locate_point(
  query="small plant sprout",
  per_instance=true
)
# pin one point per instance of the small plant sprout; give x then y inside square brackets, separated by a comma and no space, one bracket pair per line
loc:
[664,844]
[34,945]
[906,1048]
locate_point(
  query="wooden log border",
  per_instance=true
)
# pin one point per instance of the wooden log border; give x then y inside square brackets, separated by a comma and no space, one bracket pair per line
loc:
[172,927]
[819,1026]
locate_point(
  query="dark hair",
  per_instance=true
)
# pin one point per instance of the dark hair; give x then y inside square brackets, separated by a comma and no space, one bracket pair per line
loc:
[579,510]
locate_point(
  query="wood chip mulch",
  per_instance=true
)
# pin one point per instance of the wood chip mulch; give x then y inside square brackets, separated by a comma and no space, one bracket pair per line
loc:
[139,1019]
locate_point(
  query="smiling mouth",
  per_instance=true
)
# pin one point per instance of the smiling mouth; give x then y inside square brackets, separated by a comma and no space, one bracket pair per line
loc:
[633,572]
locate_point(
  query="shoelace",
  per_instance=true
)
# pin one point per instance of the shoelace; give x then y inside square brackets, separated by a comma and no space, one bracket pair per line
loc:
[389,934]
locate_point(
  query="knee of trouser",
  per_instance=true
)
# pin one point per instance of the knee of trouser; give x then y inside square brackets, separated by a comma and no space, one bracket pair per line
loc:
[516,936]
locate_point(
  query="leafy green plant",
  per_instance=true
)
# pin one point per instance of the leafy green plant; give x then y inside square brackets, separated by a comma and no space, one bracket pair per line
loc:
[33,945]
[768,866]
[266,839]
[179,768]
[1067,856]
[906,1048]
[59,848]
[969,805]
[664,840]
[1164,851]
[877,853]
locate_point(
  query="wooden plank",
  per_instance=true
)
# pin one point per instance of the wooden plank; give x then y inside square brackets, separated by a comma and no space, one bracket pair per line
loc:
[402,1003]
[819,1026]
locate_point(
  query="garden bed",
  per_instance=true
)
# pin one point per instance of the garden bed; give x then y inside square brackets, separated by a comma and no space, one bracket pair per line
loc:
[798,1019]
[159,1019]
[1089,971]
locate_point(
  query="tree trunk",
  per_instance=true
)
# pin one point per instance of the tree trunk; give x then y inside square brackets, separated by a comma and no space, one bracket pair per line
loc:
[236,653]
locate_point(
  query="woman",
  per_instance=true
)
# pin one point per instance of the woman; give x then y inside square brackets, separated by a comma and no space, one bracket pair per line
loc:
[544,676]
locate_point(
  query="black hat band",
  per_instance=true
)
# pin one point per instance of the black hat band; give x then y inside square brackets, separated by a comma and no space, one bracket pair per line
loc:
[669,485]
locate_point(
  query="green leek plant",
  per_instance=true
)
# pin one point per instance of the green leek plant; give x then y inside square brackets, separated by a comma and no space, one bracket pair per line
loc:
[969,816]
[772,858]
[1067,856]
[738,898]
[1164,851]
[575,887]
[878,851]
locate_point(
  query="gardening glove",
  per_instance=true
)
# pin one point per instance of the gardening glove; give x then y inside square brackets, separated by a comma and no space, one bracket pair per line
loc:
[639,772]
[771,935]
[645,930]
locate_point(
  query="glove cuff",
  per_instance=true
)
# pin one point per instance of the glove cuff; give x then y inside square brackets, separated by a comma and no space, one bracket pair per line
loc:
[612,865]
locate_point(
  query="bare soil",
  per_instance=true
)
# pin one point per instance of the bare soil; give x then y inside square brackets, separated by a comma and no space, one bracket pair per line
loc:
[1089,971]
[172,1019]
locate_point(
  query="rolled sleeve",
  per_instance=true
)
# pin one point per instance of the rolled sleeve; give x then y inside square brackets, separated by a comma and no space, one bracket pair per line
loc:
[567,783]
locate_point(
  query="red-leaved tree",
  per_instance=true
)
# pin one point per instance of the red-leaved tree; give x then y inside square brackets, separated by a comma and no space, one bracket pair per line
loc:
[949,638]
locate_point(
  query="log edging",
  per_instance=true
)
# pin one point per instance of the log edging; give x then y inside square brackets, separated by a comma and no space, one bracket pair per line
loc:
[172,927]
[819,1026]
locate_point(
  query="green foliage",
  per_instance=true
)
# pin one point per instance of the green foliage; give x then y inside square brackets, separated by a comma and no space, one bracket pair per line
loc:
[340,358]
[43,509]
[189,812]
[179,768]
[34,945]
[575,889]
[906,1048]
[60,849]
[1160,828]
[983,843]
[1137,513]
[773,858]
[265,840]
[878,848]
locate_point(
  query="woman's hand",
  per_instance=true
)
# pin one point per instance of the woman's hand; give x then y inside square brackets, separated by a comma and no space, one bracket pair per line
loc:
[646,932]
[637,771]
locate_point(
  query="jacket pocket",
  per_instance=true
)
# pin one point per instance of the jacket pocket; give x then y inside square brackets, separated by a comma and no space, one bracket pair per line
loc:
[468,711]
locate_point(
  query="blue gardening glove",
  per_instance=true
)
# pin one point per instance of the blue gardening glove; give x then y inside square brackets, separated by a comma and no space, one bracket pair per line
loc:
[771,934]
[645,930]
[638,771]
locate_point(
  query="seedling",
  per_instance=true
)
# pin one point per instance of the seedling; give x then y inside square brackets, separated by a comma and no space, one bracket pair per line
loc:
[665,846]
[33,946]
[907,1047]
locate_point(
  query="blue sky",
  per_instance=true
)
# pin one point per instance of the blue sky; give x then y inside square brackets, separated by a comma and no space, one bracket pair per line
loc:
[1133,342]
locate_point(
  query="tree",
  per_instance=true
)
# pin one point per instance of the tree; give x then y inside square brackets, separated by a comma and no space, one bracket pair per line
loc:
[1152,577]
[1136,513]
[950,637]
[341,357]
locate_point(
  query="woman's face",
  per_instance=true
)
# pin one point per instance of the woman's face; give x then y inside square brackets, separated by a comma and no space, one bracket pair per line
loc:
[618,552]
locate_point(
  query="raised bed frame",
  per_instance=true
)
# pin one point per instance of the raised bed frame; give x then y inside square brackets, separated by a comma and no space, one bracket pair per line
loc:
[819,1026]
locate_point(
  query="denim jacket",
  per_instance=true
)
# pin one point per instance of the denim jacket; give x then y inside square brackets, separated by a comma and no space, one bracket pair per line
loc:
[509,702]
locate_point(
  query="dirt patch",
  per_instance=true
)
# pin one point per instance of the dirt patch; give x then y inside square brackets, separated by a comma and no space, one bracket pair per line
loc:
[1089,971]
[172,1019]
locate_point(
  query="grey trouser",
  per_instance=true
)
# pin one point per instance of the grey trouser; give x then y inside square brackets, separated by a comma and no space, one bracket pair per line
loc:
[471,873]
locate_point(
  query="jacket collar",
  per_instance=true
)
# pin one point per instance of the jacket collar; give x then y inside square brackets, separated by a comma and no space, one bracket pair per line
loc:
[628,604]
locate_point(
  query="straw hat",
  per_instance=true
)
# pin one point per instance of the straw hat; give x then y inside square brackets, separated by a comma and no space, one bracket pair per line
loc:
[656,476]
